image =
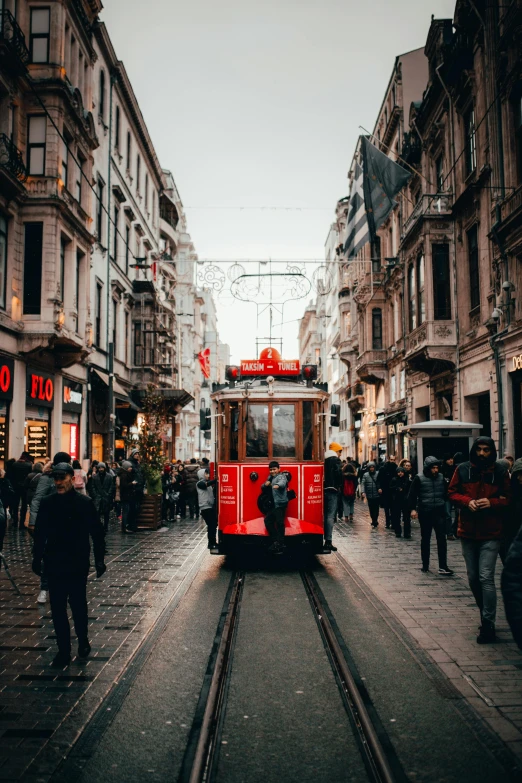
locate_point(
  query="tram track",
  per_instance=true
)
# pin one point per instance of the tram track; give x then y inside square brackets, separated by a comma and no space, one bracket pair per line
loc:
[200,762]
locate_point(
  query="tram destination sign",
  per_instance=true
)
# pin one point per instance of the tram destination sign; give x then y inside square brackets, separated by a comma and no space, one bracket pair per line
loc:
[270,363]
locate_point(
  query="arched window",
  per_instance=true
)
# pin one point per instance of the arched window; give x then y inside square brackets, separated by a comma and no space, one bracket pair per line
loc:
[117,129]
[128,163]
[377,329]
[102,94]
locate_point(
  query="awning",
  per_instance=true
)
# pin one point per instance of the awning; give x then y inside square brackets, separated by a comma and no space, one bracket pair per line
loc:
[101,375]
[175,399]
[119,392]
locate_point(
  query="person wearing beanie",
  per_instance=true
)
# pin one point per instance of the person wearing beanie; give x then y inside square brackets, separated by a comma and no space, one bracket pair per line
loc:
[371,493]
[19,473]
[481,489]
[333,480]
[102,493]
[65,524]
[386,473]
[139,478]
[127,482]
[400,486]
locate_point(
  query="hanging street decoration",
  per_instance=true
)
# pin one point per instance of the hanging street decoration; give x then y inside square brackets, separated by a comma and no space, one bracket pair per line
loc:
[204,362]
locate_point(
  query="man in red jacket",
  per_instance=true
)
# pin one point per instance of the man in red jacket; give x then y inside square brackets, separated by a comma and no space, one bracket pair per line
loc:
[481,489]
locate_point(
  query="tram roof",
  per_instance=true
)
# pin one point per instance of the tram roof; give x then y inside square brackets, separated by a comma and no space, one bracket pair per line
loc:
[258,389]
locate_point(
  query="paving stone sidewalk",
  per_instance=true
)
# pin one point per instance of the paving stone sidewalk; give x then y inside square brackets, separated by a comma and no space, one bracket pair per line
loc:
[441,615]
[43,710]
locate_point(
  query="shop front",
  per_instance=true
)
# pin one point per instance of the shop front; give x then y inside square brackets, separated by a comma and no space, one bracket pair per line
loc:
[98,414]
[39,404]
[398,442]
[514,366]
[72,405]
[6,398]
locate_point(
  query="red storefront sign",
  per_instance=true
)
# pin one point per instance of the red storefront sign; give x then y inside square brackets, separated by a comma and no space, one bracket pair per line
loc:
[6,378]
[73,441]
[40,388]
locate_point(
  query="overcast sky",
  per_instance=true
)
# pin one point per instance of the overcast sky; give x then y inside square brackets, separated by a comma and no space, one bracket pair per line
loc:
[256,103]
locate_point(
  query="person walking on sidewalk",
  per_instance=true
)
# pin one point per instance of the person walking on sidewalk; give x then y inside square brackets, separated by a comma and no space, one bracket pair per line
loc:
[349,490]
[139,478]
[371,492]
[427,498]
[128,484]
[102,493]
[511,582]
[400,486]
[20,470]
[207,504]
[481,489]
[513,514]
[65,524]
[333,479]
[386,474]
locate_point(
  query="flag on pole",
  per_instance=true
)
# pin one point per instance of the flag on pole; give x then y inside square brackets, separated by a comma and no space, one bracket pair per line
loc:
[372,197]
[357,230]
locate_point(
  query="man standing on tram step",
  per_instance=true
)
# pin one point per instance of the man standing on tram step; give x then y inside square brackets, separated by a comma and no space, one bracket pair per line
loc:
[207,504]
[386,474]
[427,498]
[333,481]
[481,489]
[371,492]
[275,519]
[65,523]
[102,493]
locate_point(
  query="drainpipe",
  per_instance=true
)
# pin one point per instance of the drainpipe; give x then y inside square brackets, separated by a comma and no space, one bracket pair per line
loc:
[110,344]
[455,285]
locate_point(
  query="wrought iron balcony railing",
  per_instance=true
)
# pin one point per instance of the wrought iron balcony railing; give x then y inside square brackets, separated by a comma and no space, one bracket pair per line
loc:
[12,35]
[11,158]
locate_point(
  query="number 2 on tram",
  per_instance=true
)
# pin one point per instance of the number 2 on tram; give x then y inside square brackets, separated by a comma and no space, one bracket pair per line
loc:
[269,411]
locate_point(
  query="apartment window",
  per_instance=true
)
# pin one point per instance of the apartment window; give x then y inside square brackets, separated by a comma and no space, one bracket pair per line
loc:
[37,125]
[377,329]
[138,171]
[63,250]
[473,261]
[126,338]
[470,141]
[402,385]
[3,260]
[412,299]
[79,178]
[102,94]
[116,232]
[115,326]
[98,314]
[117,129]
[153,207]
[393,388]
[138,344]
[33,246]
[421,309]
[518,135]
[376,255]
[439,174]
[39,35]
[146,192]
[65,162]
[127,247]
[79,258]
[441,282]
[128,161]
[99,210]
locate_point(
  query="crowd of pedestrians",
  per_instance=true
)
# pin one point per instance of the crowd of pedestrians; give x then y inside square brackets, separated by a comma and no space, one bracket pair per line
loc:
[478,501]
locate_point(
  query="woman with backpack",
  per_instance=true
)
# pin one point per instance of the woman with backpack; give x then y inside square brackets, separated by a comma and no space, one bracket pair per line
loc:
[80,478]
[349,490]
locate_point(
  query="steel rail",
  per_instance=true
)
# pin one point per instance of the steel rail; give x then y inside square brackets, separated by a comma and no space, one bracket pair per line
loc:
[206,744]
[375,753]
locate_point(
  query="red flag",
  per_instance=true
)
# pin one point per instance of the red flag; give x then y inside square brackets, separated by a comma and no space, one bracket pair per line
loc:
[204,362]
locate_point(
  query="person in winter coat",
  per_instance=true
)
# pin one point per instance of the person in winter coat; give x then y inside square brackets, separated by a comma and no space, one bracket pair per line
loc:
[349,490]
[32,481]
[511,582]
[400,486]
[275,519]
[20,470]
[179,485]
[513,514]
[427,498]
[207,504]
[386,473]
[128,483]
[6,491]
[447,469]
[166,484]
[333,479]
[102,494]
[371,492]
[482,490]
[65,524]
[191,492]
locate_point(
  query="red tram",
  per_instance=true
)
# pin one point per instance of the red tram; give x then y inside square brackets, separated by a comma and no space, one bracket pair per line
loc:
[270,409]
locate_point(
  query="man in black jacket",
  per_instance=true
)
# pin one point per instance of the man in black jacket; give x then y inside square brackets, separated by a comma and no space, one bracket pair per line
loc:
[427,498]
[65,523]
[20,470]
[386,474]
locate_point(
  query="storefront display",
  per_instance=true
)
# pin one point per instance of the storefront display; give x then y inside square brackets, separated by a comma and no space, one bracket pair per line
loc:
[6,395]
[37,439]
[72,404]
[515,368]
[39,402]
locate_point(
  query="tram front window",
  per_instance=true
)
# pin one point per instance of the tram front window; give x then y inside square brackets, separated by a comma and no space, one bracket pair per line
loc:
[257,431]
[283,430]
